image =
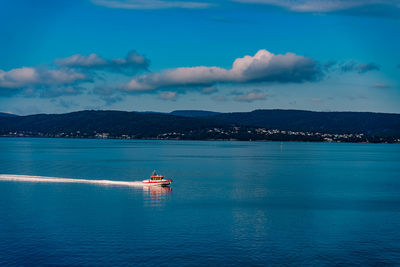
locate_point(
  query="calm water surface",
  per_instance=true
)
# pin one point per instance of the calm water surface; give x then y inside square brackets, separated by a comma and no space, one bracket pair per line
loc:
[231,203]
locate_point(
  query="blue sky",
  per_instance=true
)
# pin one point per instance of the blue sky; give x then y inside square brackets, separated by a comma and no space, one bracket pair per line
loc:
[62,56]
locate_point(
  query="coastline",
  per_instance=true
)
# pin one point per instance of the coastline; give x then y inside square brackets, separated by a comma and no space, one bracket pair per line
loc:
[186,139]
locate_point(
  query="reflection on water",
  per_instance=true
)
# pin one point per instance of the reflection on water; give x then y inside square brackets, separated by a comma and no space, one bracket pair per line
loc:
[155,196]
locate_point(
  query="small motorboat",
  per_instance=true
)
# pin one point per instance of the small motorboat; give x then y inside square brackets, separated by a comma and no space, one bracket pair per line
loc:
[156,179]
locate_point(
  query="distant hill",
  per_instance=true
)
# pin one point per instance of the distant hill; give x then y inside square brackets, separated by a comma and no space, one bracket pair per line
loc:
[194,113]
[115,123]
[3,114]
[294,125]
[382,124]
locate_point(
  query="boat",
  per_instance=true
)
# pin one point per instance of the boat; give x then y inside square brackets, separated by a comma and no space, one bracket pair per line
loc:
[156,179]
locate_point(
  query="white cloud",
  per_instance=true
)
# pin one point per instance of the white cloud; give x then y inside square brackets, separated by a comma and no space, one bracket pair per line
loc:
[263,66]
[28,76]
[65,77]
[321,5]
[150,4]
[82,61]
[132,62]
[293,5]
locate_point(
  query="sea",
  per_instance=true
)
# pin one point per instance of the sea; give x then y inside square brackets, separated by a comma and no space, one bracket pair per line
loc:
[231,203]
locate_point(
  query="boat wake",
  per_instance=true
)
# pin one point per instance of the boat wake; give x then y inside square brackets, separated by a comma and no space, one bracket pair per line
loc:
[28,178]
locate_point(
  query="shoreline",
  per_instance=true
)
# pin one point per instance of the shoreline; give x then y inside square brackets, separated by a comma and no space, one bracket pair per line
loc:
[181,139]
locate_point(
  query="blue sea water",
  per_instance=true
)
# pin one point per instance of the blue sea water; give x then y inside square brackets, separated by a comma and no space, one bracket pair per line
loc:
[231,203]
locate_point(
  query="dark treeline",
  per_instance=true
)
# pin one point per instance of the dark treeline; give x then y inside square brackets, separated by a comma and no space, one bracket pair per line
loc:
[279,125]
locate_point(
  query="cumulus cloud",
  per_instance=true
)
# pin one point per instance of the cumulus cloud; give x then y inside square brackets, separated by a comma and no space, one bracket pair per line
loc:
[150,4]
[322,5]
[251,96]
[67,74]
[29,78]
[71,75]
[262,67]
[132,63]
[360,68]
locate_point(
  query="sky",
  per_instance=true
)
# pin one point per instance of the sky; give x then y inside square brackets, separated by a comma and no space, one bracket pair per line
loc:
[226,56]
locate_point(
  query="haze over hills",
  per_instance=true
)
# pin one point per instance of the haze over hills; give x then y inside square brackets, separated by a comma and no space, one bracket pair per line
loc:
[296,125]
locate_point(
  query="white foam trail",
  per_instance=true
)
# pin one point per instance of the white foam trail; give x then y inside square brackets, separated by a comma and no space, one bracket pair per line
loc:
[28,178]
